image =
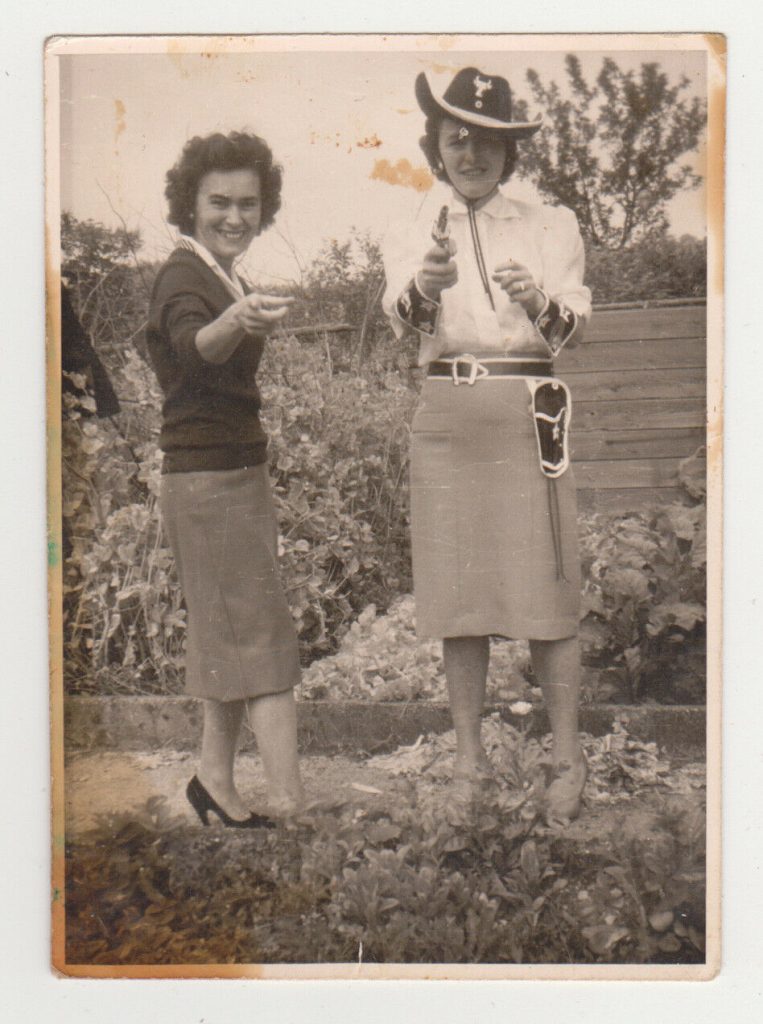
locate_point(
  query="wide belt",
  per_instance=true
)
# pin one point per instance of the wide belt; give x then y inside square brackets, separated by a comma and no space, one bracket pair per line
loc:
[471,368]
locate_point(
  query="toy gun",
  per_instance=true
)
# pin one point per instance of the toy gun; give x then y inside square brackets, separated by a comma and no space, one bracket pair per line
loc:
[441,229]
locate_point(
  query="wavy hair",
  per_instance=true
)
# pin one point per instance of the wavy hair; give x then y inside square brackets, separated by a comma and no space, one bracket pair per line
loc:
[233,152]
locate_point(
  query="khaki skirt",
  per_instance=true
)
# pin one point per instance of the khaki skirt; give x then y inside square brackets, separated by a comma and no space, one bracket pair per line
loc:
[223,533]
[484,557]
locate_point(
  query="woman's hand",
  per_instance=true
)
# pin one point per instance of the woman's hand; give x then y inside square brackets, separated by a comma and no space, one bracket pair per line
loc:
[519,284]
[439,270]
[254,314]
[258,313]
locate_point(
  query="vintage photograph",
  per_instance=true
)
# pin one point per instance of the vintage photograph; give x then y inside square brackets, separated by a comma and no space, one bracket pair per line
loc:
[384,396]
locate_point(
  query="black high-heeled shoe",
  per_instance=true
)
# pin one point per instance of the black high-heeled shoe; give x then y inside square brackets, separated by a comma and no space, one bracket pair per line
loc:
[202,802]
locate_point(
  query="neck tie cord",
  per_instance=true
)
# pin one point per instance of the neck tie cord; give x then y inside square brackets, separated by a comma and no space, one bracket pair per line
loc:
[479,254]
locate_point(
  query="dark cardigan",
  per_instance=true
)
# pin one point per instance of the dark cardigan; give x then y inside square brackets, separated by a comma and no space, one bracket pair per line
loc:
[210,411]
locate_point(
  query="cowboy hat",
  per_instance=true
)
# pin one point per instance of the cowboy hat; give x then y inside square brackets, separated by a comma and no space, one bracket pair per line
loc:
[478,99]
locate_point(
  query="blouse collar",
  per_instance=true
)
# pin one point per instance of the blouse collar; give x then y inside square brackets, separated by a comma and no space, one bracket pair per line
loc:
[232,283]
[498,206]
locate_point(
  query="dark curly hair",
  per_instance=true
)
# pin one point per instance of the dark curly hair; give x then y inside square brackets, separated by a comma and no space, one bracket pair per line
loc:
[234,152]
[430,144]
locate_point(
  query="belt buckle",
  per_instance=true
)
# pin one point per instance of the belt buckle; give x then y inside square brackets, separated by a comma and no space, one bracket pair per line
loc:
[476,370]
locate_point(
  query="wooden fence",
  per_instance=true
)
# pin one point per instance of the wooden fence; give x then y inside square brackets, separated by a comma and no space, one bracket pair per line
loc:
[638,391]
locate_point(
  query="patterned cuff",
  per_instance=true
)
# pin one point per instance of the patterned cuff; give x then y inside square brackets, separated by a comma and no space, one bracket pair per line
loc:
[416,310]
[556,324]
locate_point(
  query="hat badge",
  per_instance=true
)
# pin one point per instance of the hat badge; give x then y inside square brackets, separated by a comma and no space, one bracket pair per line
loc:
[481,85]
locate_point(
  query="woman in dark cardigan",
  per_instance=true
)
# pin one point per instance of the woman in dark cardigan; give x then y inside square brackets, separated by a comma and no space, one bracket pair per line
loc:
[206,334]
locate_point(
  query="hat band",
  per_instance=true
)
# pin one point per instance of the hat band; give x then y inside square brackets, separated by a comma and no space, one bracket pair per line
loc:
[483,121]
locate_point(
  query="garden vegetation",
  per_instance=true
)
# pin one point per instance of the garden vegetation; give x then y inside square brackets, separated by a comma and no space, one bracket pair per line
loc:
[337,405]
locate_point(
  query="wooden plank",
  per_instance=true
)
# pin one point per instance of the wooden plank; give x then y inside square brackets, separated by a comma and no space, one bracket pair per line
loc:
[643,324]
[627,499]
[635,444]
[654,304]
[606,475]
[615,355]
[657,413]
[688,382]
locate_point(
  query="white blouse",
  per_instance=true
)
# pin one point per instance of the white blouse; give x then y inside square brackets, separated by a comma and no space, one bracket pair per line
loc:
[545,239]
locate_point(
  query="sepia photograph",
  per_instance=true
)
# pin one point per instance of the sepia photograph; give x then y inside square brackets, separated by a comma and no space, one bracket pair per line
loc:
[384,384]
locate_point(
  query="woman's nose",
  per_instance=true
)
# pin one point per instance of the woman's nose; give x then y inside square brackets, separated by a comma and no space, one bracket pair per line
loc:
[234,215]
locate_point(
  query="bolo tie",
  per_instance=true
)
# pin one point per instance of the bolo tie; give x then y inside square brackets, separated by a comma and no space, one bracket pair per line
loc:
[478,253]
[553,496]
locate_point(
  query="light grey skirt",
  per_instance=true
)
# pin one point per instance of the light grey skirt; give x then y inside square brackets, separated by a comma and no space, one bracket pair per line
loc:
[223,533]
[484,558]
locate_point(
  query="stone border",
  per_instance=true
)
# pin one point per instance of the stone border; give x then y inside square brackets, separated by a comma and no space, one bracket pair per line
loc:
[353,727]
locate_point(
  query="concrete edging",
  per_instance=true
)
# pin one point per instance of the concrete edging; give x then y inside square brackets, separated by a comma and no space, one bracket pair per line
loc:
[353,727]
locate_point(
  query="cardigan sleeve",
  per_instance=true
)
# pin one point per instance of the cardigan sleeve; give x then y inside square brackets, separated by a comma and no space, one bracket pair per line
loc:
[179,310]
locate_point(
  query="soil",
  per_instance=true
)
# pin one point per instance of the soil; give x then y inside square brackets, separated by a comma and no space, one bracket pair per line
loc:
[101,784]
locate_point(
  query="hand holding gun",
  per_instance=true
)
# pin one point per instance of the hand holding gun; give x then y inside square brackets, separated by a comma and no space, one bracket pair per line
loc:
[439,270]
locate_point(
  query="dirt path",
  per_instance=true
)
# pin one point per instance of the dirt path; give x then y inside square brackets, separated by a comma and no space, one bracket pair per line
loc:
[102,784]
[99,785]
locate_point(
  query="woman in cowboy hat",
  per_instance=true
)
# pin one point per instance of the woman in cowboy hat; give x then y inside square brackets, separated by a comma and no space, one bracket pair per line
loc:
[492,293]
[206,334]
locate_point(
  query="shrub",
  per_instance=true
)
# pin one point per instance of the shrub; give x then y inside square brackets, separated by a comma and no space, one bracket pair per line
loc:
[122,604]
[338,449]
[344,284]
[657,267]
[338,454]
[337,410]
[644,593]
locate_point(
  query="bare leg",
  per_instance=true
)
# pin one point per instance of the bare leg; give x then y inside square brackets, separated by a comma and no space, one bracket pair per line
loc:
[556,663]
[222,725]
[273,719]
[466,661]
[557,666]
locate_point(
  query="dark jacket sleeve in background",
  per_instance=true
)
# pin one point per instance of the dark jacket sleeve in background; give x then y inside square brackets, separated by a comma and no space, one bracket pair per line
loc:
[79,356]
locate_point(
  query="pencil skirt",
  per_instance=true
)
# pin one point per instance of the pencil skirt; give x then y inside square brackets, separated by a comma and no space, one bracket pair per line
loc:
[222,529]
[485,561]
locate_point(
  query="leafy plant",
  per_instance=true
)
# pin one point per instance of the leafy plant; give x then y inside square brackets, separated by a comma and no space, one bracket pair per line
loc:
[644,592]
[338,451]
[380,658]
[122,604]
[337,410]
[414,878]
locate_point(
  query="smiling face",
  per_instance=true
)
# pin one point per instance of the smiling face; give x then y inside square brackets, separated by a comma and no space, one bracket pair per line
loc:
[472,158]
[227,213]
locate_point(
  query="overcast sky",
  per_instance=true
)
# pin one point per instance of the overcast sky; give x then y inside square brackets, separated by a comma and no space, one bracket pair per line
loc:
[331,118]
